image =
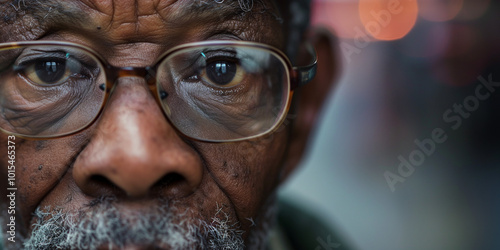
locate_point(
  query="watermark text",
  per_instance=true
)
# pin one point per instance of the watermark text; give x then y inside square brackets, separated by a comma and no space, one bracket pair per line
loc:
[11,188]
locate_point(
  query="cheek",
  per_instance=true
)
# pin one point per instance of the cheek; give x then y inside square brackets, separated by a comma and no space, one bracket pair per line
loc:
[39,165]
[247,172]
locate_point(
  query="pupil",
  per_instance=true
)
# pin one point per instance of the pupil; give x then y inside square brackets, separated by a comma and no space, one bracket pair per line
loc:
[50,71]
[221,73]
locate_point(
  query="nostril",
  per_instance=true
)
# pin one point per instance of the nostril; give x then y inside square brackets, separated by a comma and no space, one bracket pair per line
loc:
[169,180]
[99,185]
[172,184]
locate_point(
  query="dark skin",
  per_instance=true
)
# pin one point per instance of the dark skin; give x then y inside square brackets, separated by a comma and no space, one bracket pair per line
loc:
[131,151]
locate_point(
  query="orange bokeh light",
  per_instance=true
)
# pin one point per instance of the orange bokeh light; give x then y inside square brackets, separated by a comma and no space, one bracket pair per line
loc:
[440,10]
[388,19]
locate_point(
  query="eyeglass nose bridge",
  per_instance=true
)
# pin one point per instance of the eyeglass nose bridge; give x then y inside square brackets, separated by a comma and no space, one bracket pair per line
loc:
[114,73]
[148,73]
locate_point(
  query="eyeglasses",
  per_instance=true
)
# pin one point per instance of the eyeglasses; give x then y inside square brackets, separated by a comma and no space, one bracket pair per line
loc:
[214,91]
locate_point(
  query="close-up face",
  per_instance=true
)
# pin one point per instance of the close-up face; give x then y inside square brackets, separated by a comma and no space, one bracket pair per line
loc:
[134,179]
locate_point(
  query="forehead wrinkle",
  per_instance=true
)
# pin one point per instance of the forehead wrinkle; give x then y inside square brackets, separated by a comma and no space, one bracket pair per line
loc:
[201,9]
[129,11]
[215,14]
[71,12]
[183,18]
[125,11]
[130,17]
[187,18]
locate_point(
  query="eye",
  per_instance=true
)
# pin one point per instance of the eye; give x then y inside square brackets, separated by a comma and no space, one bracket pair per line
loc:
[223,73]
[50,71]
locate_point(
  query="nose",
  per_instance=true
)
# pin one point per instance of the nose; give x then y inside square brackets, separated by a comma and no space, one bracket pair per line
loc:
[134,151]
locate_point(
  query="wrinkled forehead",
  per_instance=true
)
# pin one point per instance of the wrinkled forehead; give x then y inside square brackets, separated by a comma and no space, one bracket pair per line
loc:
[135,8]
[130,18]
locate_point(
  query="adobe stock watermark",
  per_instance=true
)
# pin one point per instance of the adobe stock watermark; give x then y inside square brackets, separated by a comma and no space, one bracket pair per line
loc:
[11,188]
[361,39]
[428,146]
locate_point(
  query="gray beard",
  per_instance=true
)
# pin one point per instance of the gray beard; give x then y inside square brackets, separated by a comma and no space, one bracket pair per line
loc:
[102,224]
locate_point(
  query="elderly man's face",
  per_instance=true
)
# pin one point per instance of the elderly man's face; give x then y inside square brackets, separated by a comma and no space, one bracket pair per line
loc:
[130,180]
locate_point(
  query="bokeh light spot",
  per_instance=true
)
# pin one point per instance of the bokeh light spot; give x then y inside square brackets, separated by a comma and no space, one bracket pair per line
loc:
[388,19]
[440,10]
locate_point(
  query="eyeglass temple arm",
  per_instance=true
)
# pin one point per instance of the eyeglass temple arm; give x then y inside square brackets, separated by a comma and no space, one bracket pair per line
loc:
[303,74]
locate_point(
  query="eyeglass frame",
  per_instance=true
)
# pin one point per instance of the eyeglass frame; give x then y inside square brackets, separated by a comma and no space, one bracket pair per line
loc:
[297,75]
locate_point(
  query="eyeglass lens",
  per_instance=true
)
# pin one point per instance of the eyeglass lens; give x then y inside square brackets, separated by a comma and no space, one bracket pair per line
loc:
[48,90]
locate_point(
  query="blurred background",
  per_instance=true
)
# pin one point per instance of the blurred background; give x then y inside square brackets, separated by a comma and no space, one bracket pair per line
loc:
[407,153]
